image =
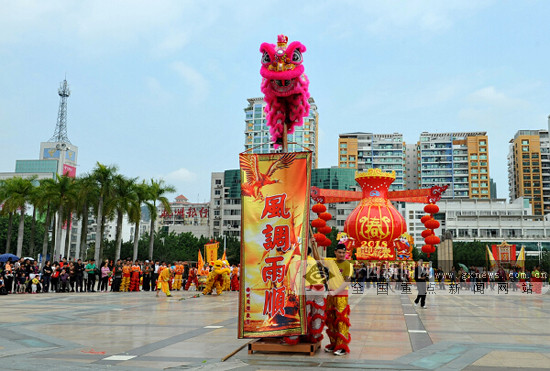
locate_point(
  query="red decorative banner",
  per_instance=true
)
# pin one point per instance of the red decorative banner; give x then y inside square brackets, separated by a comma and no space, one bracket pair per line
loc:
[274,233]
[504,253]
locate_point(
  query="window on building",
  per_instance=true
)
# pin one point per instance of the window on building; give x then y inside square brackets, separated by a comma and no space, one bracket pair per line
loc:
[217,192]
[343,145]
[525,141]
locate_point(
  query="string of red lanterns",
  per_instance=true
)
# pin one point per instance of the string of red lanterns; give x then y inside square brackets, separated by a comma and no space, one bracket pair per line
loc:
[321,225]
[430,239]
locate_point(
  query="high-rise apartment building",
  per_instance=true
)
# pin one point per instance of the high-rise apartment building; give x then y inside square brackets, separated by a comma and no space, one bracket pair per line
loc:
[362,151]
[257,138]
[529,169]
[460,160]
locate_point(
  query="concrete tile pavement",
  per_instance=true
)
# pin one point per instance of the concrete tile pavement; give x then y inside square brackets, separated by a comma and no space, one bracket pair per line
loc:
[84,331]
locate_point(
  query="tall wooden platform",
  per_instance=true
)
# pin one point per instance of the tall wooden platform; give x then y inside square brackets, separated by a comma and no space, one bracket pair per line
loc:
[275,345]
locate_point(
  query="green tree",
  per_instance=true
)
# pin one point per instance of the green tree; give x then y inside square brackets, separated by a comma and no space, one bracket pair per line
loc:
[63,194]
[123,200]
[134,215]
[87,190]
[156,193]
[103,175]
[18,193]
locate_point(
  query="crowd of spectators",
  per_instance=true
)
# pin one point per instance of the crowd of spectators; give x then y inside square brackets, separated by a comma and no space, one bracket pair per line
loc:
[25,276]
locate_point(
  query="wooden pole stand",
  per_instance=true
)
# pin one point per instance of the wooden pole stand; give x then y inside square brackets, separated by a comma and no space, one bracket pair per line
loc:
[275,345]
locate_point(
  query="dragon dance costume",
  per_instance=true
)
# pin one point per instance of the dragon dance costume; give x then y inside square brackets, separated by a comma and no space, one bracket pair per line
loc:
[337,308]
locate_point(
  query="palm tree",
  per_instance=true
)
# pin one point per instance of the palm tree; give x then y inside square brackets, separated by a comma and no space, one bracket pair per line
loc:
[45,200]
[157,191]
[141,191]
[64,193]
[6,209]
[123,200]
[87,193]
[18,193]
[103,175]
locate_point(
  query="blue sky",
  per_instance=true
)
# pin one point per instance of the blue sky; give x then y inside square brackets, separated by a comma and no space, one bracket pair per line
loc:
[158,88]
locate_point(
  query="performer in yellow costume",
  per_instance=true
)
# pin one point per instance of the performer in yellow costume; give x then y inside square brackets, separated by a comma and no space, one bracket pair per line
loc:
[216,278]
[337,309]
[164,278]
[126,273]
[178,276]
[226,277]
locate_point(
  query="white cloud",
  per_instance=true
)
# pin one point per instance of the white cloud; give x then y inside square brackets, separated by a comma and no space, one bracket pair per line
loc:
[194,79]
[490,96]
[180,175]
[395,15]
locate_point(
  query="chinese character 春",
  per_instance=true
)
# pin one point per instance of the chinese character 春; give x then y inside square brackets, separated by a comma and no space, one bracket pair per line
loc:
[275,207]
[273,272]
[275,302]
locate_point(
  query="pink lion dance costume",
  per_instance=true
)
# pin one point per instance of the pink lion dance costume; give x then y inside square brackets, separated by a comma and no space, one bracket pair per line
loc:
[285,86]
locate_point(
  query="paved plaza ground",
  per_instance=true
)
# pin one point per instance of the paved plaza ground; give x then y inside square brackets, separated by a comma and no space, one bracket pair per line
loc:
[128,331]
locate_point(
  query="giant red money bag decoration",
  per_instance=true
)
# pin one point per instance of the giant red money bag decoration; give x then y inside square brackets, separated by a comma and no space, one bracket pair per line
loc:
[375,223]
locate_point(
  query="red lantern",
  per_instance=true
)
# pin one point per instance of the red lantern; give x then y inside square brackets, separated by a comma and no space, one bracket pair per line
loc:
[431,208]
[319,208]
[428,249]
[375,220]
[325,216]
[319,237]
[432,240]
[427,232]
[326,242]
[324,230]
[432,224]
[425,218]
[318,223]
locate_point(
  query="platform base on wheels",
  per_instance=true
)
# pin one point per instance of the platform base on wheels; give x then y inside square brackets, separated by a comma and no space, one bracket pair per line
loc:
[275,345]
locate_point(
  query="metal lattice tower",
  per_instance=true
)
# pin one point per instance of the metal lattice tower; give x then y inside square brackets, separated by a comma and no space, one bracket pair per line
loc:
[60,134]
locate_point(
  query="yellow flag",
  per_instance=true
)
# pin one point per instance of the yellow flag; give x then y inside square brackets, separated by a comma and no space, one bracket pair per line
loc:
[521,258]
[200,264]
[492,261]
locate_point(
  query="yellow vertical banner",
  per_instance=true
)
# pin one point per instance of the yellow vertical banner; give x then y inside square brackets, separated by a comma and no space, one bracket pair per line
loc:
[275,192]
[211,251]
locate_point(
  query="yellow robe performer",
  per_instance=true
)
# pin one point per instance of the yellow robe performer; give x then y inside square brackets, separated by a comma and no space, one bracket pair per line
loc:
[178,277]
[337,309]
[164,279]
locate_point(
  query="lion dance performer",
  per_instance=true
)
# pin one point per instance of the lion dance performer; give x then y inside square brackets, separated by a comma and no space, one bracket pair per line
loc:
[226,277]
[345,240]
[178,274]
[134,279]
[216,278]
[165,276]
[315,303]
[192,279]
[338,310]
[126,274]
[235,279]
[285,86]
